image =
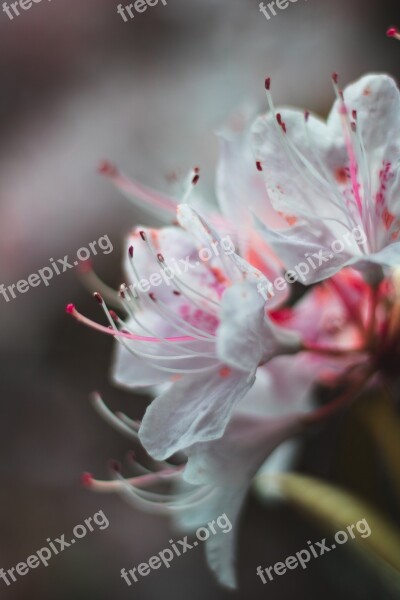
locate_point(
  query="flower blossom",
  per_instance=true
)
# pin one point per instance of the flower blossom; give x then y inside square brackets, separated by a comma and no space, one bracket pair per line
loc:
[332,178]
[235,375]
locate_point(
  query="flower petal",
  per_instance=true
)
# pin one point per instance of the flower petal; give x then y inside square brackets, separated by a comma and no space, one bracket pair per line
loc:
[246,337]
[197,408]
[228,465]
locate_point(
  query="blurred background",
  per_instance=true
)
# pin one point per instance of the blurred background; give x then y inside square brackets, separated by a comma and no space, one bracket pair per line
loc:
[79,85]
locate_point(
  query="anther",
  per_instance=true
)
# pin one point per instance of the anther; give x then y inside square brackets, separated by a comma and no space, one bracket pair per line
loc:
[97,297]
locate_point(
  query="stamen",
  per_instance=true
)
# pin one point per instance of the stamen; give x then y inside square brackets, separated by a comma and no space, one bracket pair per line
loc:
[102,409]
[71,309]
[393,32]
[193,180]
[349,145]
[92,282]
[295,155]
[154,201]
[157,357]
[141,481]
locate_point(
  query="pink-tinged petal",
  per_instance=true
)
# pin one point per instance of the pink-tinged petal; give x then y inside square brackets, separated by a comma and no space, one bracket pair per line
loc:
[169,247]
[235,266]
[330,314]
[246,337]
[197,408]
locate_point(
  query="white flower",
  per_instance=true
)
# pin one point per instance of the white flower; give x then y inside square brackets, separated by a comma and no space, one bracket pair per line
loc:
[331,179]
[204,363]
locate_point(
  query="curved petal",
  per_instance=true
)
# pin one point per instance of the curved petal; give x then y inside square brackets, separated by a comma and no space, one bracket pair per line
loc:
[246,337]
[197,408]
[228,465]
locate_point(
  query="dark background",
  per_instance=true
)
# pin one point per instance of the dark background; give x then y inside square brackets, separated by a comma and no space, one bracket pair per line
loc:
[79,85]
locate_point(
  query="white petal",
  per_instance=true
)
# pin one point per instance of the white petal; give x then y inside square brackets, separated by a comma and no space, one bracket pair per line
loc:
[197,408]
[377,102]
[240,186]
[246,337]
[228,466]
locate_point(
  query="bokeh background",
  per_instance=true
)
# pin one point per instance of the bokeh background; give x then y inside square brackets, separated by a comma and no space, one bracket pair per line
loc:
[79,85]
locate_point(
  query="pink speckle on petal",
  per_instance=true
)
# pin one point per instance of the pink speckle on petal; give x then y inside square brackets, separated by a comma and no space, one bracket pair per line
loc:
[341,175]
[225,372]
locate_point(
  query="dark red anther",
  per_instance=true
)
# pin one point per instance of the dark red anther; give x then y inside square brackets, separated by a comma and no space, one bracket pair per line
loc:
[268,83]
[152,296]
[177,293]
[307,115]
[114,315]
[354,115]
[280,122]
[335,78]
[142,235]
[130,251]
[97,297]
[259,165]
[195,179]
[160,258]
[196,170]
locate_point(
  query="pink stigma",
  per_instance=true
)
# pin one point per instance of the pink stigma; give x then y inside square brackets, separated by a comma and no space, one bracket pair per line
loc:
[392,32]
[107,168]
[69,309]
[86,479]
